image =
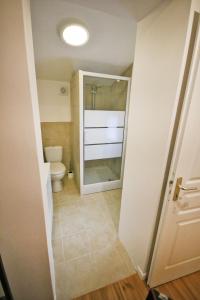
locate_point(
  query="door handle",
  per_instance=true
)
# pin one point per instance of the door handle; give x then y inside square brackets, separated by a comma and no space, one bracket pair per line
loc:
[183,188]
[179,187]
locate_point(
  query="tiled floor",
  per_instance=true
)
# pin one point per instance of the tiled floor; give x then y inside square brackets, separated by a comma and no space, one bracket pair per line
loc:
[87,253]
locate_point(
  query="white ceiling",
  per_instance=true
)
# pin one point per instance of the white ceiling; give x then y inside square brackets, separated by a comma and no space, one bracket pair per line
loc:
[137,9]
[112,27]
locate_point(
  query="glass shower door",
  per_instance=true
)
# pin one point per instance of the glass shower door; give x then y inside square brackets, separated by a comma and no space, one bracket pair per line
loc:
[104,122]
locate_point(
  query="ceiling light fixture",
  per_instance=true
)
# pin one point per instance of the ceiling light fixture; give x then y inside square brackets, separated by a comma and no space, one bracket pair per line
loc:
[75,34]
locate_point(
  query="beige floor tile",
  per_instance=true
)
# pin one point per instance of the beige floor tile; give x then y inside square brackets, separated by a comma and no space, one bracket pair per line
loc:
[109,266]
[72,224]
[57,230]
[115,214]
[101,237]
[67,209]
[65,198]
[123,253]
[76,246]
[58,252]
[56,214]
[62,286]
[94,219]
[62,294]
[95,211]
[70,187]
[87,252]
[69,198]
[94,201]
[113,201]
[76,276]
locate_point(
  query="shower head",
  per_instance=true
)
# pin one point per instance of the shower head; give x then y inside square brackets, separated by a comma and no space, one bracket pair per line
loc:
[94,89]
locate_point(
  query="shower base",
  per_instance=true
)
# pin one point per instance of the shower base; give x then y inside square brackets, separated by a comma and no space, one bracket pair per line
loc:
[99,174]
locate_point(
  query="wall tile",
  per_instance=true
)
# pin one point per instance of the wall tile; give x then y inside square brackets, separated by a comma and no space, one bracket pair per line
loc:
[58,133]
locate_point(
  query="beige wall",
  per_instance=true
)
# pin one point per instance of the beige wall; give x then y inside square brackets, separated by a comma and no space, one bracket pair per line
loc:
[75,105]
[58,133]
[159,50]
[54,105]
[55,116]
[23,240]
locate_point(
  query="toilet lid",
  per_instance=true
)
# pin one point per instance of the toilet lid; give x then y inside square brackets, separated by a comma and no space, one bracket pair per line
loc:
[57,168]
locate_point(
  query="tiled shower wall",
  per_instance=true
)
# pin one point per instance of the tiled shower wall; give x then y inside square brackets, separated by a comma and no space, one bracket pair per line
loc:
[111,97]
[107,97]
[58,133]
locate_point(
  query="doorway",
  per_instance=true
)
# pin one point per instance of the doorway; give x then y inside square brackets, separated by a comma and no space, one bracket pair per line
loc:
[177,247]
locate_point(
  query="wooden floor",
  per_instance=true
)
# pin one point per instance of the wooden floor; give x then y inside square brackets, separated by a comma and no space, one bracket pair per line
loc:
[185,288]
[133,288]
[130,288]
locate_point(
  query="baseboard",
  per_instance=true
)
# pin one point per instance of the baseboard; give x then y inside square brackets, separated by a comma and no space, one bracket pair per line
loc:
[141,274]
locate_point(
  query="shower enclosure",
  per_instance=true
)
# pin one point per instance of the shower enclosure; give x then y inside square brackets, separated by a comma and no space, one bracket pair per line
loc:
[99,119]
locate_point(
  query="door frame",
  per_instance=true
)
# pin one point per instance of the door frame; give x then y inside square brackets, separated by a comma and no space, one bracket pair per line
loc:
[178,123]
[98,187]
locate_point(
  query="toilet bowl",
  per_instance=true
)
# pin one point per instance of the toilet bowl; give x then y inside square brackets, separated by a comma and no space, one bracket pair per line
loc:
[57,170]
[53,155]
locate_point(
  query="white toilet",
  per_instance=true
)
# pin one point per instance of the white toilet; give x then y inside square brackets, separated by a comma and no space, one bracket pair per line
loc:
[57,168]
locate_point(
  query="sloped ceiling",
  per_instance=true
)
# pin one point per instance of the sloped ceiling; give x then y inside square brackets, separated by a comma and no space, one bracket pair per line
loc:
[112,27]
[137,9]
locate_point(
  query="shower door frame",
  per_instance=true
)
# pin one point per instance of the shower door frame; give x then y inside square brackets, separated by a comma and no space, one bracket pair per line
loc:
[107,185]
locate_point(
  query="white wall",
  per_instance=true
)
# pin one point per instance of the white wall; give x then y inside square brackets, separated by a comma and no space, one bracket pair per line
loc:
[23,236]
[159,48]
[54,106]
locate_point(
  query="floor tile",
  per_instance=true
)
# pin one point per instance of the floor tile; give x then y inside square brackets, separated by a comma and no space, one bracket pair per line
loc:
[73,223]
[101,237]
[66,209]
[110,266]
[80,275]
[57,230]
[123,253]
[87,252]
[58,251]
[76,246]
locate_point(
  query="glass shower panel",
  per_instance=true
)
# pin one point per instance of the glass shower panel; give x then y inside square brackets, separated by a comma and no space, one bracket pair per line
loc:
[104,122]
[104,93]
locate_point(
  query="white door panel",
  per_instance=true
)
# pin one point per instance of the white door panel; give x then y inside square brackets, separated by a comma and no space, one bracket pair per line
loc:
[104,118]
[103,135]
[92,152]
[185,236]
[177,251]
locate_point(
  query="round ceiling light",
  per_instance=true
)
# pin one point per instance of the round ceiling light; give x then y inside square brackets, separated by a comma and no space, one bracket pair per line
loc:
[75,34]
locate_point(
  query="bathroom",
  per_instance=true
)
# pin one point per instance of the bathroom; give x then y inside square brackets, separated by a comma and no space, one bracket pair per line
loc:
[83,112]
[85,217]
[77,219]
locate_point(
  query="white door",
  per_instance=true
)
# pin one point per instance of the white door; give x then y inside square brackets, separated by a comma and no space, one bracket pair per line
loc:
[177,248]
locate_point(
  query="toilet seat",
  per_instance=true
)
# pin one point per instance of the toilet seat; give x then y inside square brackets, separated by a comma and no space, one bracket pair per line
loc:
[57,168]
